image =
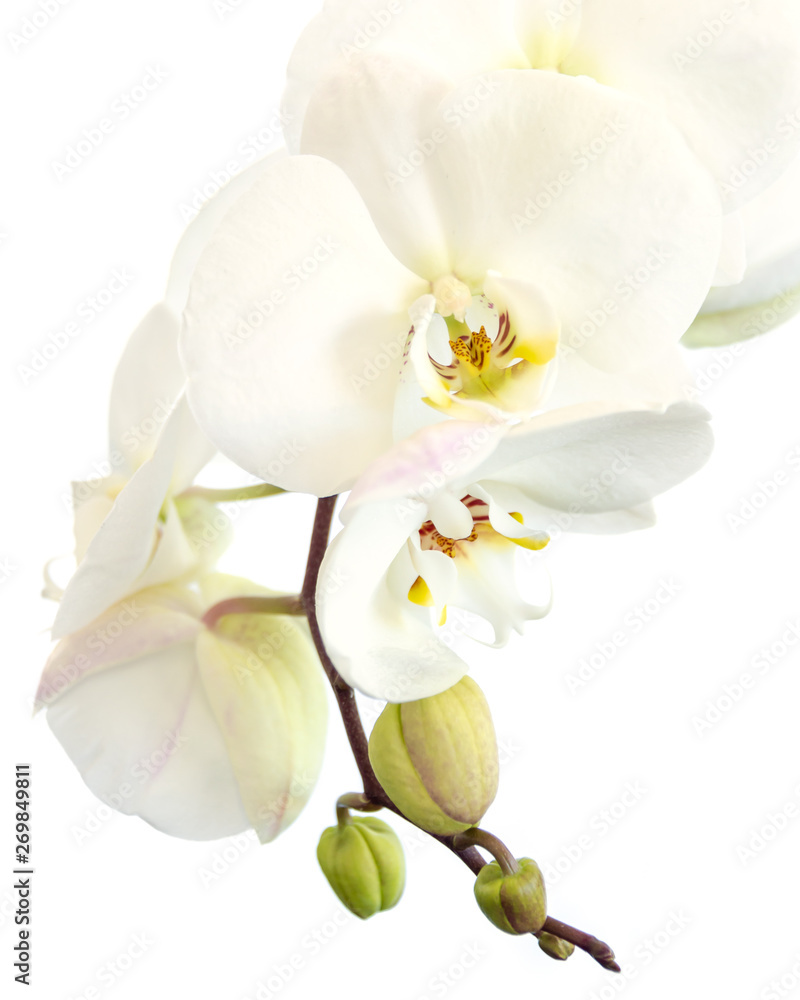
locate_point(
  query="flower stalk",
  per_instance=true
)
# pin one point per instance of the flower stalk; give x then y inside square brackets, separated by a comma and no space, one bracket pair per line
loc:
[288,604]
[373,792]
[476,837]
[234,494]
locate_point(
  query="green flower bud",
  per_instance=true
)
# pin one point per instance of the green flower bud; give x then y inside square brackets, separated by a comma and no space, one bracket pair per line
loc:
[363,861]
[517,903]
[555,947]
[437,758]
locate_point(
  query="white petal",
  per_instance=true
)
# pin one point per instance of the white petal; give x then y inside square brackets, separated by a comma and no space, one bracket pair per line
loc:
[202,228]
[665,379]
[375,118]
[268,694]
[733,253]
[594,197]
[686,57]
[449,516]
[769,293]
[534,321]
[92,502]
[150,620]
[487,587]
[292,372]
[432,30]
[193,450]
[574,461]
[118,556]
[582,519]
[418,380]
[148,380]
[379,641]
[729,326]
[145,741]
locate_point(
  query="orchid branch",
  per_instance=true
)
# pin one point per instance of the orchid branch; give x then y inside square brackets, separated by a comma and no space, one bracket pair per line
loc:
[373,791]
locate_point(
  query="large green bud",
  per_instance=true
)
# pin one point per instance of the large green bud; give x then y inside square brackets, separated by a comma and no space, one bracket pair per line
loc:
[516,903]
[436,758]
[363,861]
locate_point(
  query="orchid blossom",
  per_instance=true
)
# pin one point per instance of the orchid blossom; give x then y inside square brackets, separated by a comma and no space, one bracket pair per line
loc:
[726,72]
[345,301]
[201,732]
[434,525]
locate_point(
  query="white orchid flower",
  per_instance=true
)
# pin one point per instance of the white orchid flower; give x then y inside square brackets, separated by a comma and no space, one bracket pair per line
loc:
[296,332]
[769,293]
[133,529]
[202,733]
[726,72]
[434,525]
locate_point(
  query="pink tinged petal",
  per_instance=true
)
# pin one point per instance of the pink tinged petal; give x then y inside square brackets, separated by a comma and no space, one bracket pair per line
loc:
[148,380]
[380,642]
[269,700]
[686,58]
[294,331]
[148,621]
[419,468]
[591,195]
[575,461]
[456,37]
[145,741]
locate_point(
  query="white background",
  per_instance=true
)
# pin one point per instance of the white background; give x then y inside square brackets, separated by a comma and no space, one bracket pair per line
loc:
[568,756]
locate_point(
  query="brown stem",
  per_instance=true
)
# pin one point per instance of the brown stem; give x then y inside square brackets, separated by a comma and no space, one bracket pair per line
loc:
[599,950]
[345,696]
[288,604]
[475,837]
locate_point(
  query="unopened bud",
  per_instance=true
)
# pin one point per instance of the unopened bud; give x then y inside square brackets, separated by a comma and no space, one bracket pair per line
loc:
[436,758]
[555,947]
[515,903]
[363,861]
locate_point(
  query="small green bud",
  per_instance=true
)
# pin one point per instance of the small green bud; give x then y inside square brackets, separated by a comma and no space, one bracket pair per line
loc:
[363,861]
[436,758]
[555,947]
[517,903]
